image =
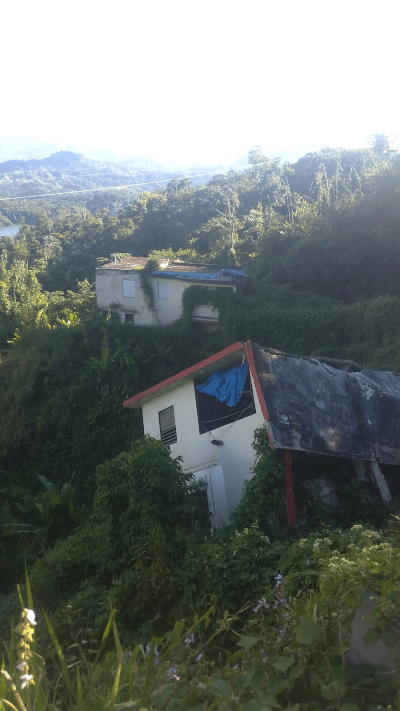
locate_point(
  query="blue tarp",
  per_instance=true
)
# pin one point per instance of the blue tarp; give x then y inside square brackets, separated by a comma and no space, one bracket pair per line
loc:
[199,275]
[226,387]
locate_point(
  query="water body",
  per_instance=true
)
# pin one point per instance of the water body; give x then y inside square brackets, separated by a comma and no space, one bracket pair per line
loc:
[9,230]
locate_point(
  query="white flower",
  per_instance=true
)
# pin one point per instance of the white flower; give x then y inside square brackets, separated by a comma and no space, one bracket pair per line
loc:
[21,666]
[278,579]
[30,615]
[189,640]
[171,674]
[198,657]
[24,680]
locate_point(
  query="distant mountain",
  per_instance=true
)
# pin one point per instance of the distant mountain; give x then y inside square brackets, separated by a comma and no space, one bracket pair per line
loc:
[66,171]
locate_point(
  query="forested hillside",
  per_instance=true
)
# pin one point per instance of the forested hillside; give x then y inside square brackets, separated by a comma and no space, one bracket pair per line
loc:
[72,177]
[320,240]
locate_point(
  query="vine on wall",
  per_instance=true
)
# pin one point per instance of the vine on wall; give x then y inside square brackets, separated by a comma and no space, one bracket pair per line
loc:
[195,296]
[151,265]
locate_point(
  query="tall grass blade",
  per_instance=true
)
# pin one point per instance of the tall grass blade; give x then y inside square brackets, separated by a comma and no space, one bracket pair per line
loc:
[132,660]
[117,642]
[9,704]
[149,670]
[3,686]
[115,688]
[30,603]
[28,590]
[102,644]
[21,599]
[79,691]
[11,649]
[61,657]
[176,637]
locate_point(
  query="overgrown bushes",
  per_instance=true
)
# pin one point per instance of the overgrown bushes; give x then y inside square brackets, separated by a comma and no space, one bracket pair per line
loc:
[283,650]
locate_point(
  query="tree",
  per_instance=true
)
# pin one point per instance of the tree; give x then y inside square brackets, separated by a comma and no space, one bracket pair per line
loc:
[379,143]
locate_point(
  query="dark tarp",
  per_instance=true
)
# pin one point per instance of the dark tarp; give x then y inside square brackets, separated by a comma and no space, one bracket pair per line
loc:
[341,411]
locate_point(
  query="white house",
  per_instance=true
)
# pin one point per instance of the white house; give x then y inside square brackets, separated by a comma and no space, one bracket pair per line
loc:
[319,413]
[118,286]
[213,438]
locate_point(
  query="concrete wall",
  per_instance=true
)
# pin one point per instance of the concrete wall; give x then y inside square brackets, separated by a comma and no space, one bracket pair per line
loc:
[109,292]
[235,456]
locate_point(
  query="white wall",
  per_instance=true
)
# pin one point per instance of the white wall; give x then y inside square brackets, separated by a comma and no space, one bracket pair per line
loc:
[236,455]
[109,291]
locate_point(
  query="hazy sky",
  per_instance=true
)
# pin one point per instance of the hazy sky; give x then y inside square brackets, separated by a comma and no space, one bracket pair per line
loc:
[199,80]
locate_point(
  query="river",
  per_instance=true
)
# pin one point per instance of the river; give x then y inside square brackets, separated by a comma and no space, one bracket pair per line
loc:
[9,230]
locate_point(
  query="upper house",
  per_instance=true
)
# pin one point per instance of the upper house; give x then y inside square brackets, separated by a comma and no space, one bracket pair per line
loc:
[118,286]
[323,416]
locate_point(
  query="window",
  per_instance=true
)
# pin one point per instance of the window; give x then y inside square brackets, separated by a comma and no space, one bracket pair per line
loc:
[167,425]
[128,288]
[209,288]
[162,290]
[129,318]
[212,413]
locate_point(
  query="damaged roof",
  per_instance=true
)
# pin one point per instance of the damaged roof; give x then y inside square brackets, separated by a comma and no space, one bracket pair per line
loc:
[314,405]
[176,269]
[324,406]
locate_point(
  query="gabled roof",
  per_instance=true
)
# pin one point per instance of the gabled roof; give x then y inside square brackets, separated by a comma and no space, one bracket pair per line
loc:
[227,358]
[313,405]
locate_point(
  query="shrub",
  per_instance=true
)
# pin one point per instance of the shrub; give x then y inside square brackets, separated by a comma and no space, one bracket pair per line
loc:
[263,500]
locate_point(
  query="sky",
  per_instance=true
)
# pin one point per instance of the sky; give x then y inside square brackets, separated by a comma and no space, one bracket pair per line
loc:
[190,81]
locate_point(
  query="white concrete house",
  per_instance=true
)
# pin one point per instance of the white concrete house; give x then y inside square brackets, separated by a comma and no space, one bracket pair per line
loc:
[213,438]
[321,414]
[118,286]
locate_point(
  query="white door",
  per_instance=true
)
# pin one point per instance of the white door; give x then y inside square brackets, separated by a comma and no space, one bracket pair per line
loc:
[216,495]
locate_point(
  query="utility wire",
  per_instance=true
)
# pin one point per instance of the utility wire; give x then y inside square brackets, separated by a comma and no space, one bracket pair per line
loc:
[132,185]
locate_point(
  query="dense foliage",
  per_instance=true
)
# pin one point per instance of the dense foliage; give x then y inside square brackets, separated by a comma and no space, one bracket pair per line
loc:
[101,515]
[284,651]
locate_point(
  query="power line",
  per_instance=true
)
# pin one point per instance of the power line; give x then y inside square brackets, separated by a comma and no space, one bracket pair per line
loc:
[130,185]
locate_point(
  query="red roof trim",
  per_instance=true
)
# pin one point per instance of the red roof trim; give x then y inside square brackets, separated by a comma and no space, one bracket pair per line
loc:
[250,359]
[184,373]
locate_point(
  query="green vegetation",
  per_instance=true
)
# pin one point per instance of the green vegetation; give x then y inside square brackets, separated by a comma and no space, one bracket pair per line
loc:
[102,516]
[286,651]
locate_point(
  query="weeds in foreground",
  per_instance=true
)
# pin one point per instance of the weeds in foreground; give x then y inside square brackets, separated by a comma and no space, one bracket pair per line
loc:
[281,652]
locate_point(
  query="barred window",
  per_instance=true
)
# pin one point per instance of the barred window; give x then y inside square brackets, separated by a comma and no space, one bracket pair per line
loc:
[211,413]
[167,425]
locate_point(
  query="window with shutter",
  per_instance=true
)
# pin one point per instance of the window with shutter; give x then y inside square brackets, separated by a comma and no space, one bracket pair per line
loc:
[167,425]
[162,290]
[128,288]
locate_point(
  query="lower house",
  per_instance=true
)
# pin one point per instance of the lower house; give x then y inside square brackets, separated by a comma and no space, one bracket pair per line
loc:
[324,416]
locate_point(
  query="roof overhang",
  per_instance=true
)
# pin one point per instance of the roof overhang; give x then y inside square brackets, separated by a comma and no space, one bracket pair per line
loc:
[229,357]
